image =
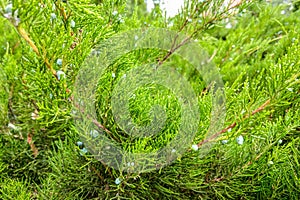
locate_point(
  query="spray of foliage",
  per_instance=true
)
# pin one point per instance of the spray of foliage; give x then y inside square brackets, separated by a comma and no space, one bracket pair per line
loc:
[255,45]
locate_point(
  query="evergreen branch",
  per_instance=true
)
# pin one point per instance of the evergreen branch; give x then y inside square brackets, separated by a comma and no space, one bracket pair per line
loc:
[25,36]
[35,49]
[95,122]
[263,106]
[220,16]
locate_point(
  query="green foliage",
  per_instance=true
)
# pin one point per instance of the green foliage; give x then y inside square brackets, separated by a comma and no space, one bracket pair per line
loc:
[12,189]
[258,58]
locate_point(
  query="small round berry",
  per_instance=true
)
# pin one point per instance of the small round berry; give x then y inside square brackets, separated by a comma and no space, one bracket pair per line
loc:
[115,13]
[224,141]
[121,20]
[79,143]
[118,181]
[228,26]
[270,162]
[72,24]
[240,140]
[94,133]
[83,151]
[53,16]
[59,61]
[60,74]
[195,147]
[130,164]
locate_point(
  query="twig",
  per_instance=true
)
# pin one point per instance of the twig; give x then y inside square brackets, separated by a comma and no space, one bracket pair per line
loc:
[98,124]
[28,40]
[171,51]
[31,144]
[62,11]
[24,35]
[263,106]
[97,173]
[217,134]
[212,56]
[173,48]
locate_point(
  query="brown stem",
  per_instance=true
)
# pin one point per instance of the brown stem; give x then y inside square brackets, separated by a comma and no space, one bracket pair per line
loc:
[217,134]
[95,122]
[31,144]
[263,106]
[97,173]
[24,35]
[62,11]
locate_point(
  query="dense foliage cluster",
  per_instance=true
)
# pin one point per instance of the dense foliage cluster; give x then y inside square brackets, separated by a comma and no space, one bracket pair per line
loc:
[256,49]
